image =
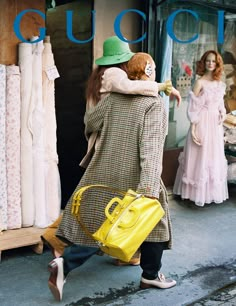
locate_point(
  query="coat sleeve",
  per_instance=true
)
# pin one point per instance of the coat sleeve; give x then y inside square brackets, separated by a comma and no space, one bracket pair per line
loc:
[94,117]
[195,105]
[152,138]
[116,80]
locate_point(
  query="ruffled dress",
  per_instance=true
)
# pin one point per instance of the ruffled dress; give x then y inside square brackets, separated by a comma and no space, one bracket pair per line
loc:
[202,172]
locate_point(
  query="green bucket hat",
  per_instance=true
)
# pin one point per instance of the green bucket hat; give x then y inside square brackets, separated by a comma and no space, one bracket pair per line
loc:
[115,51]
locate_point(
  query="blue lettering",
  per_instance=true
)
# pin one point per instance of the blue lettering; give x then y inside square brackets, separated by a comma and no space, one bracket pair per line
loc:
[16,26]
[220,27]
[118,22]
[69,30]
[117,26]
[170,26]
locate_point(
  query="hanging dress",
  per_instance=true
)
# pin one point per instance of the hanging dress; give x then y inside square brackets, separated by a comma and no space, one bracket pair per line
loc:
[202,172]
[13,147]
[51,174]
[36,126]
[26,164]
[3,167]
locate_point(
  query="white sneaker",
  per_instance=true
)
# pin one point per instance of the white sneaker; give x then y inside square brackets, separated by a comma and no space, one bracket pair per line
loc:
[56,279]
[159,282]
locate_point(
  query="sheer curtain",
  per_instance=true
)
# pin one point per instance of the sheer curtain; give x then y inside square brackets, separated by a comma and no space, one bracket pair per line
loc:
[230,37]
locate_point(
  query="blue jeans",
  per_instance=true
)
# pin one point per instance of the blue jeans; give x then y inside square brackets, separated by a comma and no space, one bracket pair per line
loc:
[75,255]
[151,254]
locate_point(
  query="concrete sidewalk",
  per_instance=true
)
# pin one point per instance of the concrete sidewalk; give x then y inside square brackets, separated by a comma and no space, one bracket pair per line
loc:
[222,297]
[202,261]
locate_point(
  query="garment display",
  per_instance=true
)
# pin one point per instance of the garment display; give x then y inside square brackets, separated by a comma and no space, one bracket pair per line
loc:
[36,126]
[52,177]
[3,174]
[202,172]
[13,147]
[30,191]
[27,198]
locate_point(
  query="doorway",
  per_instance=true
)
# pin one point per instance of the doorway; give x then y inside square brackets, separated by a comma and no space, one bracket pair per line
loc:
[74,64]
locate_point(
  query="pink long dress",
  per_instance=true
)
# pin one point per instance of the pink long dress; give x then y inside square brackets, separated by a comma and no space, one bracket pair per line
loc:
[202,172]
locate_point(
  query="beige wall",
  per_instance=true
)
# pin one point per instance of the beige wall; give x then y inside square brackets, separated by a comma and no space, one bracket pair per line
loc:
[106,13]
[30,24]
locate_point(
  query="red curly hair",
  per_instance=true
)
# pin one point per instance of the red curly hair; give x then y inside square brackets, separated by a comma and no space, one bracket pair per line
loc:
[136,65]
[201,68]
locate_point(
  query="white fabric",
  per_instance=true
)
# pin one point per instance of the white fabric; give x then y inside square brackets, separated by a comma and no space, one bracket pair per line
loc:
[52,178]
[3,175]
[36,124]
[27,199]
[13,147]
[40,181]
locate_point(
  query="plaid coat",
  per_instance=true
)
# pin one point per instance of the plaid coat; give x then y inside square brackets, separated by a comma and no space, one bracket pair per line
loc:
[129,156]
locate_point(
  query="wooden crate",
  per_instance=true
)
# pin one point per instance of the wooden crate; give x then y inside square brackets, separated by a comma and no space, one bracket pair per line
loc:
[28,236]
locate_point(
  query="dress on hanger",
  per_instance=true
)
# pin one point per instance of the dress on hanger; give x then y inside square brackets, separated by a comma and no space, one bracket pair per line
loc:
[202,172]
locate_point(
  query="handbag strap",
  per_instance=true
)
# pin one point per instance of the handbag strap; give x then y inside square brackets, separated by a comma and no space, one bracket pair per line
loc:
[77,197]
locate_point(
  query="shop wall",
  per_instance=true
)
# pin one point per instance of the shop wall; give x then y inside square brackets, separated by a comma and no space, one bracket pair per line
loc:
[106,13]
[30,24]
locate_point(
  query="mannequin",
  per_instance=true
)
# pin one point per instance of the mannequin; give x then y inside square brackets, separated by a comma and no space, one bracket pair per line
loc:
[202,172]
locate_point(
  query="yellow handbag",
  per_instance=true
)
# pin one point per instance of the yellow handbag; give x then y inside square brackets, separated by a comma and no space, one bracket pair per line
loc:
[127,225]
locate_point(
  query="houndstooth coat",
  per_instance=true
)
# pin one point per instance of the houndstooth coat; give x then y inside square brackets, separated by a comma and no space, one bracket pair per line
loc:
[129,156]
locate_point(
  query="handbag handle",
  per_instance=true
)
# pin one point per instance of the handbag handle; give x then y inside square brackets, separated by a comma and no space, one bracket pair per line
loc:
[114,200]
[120,202]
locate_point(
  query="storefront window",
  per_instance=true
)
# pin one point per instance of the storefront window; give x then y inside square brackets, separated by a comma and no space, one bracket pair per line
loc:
[184,56]
[229,56]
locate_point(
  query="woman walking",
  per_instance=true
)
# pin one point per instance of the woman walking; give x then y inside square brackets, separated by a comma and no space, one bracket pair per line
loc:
[129,154]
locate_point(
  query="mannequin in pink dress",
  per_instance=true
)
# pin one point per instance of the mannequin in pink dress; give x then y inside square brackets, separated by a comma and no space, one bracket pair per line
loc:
[202,172]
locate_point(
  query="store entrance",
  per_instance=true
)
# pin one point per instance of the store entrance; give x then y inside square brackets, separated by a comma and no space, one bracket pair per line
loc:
[74,64]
